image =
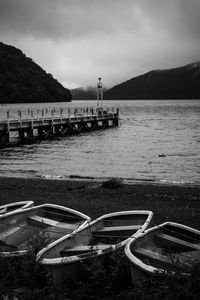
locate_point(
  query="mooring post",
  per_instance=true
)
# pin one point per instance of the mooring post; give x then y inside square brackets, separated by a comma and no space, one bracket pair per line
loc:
[29,113]
[52,116]
[42,116]
[29,130]
[20,117]
[116,117]
[40,133]
[4,136]
[8,116]
[21,135]
[30,134]
[19,114]
[61,114]
[31,118]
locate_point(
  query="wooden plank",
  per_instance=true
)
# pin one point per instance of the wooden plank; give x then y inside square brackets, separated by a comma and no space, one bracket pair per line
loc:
[173,260]
[20,236]
[41,221]
[83,249]
[38,220]
[57,232]
[67,225]
[153,255]
[117,228]
[177,241]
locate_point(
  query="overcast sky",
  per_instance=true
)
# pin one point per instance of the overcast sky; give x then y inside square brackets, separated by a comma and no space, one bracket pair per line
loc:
[80,40]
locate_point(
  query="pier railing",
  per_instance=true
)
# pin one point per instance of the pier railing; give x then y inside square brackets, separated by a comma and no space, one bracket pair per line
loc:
[47,113]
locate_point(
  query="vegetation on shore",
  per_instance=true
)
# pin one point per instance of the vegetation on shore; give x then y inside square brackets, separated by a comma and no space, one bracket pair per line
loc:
[24,278]
[23,81]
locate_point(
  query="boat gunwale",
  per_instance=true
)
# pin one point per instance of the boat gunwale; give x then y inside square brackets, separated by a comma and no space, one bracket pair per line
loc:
[25,205]
[75,258]
[23,211]
[66,209]
[138,263]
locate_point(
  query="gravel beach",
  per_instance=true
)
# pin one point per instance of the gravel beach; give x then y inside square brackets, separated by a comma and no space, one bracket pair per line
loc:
[169,203]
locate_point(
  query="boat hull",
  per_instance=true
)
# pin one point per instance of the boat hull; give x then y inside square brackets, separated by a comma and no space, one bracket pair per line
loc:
[21,229]
[101,237]
[163,248]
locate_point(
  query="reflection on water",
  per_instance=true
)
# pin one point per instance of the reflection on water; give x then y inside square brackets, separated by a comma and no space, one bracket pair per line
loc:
[131,151]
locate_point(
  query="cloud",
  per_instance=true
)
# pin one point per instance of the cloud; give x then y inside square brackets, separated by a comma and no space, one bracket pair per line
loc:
[74,18]
[63,18]
[79,40]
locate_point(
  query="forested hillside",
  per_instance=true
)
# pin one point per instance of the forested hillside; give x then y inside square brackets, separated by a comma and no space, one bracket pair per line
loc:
[88,93]
[176,83]
[23,81]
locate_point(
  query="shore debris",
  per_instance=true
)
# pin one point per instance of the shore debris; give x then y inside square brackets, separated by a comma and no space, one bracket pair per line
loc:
[112,183]
[161,155]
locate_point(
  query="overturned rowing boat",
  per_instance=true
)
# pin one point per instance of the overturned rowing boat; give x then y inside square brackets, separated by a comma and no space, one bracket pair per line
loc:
[163,248]
[49,222]
[64,257]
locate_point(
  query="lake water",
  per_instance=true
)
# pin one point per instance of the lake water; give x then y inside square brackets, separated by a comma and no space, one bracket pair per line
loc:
[130,151]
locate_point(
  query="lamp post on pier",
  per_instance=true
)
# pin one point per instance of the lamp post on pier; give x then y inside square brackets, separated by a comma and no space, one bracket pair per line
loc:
[99,93]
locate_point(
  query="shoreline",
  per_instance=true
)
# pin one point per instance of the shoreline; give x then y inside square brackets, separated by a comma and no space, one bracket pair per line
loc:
[174,203]
[126,181]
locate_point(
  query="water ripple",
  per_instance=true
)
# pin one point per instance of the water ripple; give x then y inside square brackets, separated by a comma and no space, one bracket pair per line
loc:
[130,151]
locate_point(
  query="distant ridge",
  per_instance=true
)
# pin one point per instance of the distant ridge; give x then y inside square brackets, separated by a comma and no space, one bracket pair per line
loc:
[84,93]
[177,83]
[23,81]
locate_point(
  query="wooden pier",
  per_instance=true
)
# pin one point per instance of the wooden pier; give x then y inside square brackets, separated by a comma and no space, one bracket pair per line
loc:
[32,126]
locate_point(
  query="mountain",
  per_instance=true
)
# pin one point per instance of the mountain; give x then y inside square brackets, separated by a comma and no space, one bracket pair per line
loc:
[23,81]
[176,83]
[84,93]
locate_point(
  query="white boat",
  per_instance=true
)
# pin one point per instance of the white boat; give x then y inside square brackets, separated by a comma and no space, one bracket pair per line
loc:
[162,248]
[47,221]
[6,208]
[63,257]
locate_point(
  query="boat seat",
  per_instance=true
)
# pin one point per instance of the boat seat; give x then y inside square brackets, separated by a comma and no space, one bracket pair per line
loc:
[41,221]
[20,235]
[117,228]
[154,255]
[171,240]
[3,210]
[68,251]
[167,260]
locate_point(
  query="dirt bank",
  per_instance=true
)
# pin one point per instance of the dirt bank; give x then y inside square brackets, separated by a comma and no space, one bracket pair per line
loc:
[174,203]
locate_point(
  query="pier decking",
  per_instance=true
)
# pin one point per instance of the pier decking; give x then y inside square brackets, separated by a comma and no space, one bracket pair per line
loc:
[32,126]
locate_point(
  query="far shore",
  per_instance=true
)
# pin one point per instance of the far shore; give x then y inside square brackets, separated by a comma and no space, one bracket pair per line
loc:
[179,204]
